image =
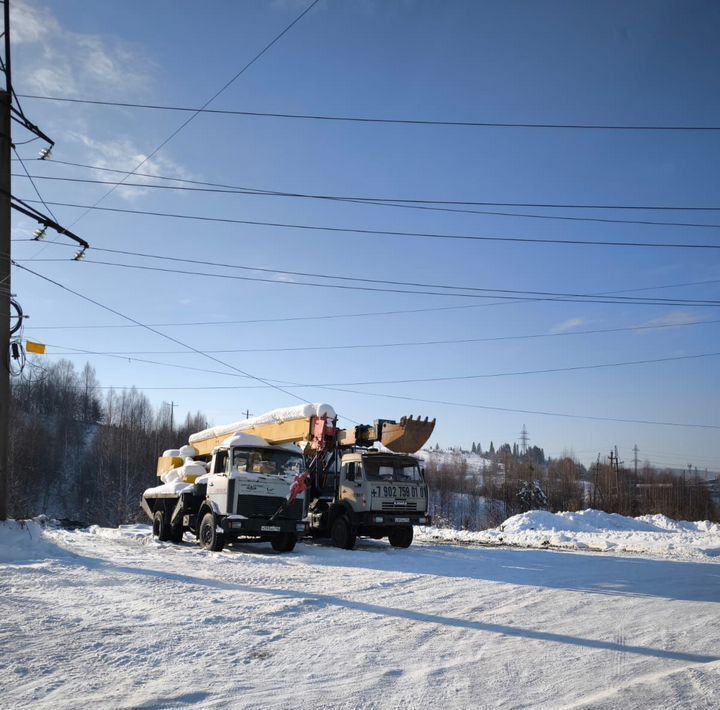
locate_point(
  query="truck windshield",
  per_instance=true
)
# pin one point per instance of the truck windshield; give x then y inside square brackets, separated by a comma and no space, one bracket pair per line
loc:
[268,461]
[388,469]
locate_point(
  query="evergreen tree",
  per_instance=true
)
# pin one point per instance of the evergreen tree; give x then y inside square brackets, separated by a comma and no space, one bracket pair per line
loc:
[473,450]
[491,451]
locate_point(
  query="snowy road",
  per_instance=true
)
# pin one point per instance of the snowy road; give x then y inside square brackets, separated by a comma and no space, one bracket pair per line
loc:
[112,619]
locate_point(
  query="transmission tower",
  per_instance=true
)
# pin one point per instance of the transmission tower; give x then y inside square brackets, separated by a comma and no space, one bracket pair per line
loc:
[635,457]
[524,438]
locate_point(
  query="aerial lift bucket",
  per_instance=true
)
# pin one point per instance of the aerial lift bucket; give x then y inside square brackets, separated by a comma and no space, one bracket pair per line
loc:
[406,436]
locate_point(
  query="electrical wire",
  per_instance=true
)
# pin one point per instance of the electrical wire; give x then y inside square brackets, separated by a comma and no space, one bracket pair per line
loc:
[156,332]
[412,343]
[388,121]
[32,178]
[492,292]
[415,380]
[561,299]
[204,106]
[374,200]
[276,193]
[469,405]
[390,233]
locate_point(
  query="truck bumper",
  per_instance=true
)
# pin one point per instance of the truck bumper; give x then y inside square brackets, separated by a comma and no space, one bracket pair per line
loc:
[381,519]
[261,527]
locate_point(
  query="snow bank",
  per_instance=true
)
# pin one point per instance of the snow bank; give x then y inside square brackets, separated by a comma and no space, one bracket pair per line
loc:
[24,540]
[276,416]
[596,530]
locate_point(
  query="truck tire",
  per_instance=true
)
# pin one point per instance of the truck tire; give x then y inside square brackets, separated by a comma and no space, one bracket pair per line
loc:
[401,537]
[210,538]
[176,533]
[341,534]
[284,542]
[161,526]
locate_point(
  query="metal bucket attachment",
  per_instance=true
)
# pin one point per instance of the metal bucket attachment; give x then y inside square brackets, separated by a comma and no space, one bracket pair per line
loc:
[407,436]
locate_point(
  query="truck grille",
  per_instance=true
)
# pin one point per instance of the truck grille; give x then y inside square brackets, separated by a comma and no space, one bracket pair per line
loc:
[265,506]
[390,507]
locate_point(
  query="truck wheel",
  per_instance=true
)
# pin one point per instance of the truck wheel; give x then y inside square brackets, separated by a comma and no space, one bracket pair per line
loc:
[161,527]
[210,538]
[342,534]
[176,533]
[284,542]
[401,537]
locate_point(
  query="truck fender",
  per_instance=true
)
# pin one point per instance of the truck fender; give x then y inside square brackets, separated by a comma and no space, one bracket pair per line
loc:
[148,510]
[210,506]
[177,513]
[338,509]
[207,506]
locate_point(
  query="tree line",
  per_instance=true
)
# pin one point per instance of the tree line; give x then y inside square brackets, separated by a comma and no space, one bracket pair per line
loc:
[81,455]
[513,484]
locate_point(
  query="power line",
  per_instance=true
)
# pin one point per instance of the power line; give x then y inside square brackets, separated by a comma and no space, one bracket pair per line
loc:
[527,411]
[386,232]
[374,200]
[450,378]
[157,332]
[388,121]
[612,300]
[396,282]
[31,178]
[204,106]
[550,370]
[275,193]
[405,398]
[345,316]
[403,344]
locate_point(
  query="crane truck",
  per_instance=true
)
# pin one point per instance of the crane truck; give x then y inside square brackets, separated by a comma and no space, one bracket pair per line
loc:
[293,472]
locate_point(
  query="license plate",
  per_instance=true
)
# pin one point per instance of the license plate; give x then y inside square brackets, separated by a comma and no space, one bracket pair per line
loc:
[270,528]
[402,520]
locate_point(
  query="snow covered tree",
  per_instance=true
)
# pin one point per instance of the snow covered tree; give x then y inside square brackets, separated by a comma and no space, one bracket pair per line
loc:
[531,496]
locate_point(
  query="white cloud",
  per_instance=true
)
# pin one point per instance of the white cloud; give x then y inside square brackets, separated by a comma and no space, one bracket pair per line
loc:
[123,154]
[569,324]
[674,318]
[58,61]
[285,278]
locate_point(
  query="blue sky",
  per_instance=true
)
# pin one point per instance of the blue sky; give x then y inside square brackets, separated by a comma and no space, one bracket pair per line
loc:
[643,63]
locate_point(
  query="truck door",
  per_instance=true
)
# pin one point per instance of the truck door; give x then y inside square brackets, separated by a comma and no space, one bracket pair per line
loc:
[351,483]
[217,487]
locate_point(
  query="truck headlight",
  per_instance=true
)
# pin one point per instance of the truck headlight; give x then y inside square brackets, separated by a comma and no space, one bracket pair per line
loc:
[379,519]
[300,527]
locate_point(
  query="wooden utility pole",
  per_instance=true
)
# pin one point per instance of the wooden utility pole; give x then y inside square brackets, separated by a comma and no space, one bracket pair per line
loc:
[5,148]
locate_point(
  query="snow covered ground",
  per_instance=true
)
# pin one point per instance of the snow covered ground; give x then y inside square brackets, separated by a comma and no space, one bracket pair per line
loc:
[110,618]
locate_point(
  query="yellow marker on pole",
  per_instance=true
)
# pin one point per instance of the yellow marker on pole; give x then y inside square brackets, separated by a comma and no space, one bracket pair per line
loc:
[36,348]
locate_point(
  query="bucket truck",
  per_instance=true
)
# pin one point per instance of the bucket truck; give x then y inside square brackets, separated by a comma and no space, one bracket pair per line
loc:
[292,472]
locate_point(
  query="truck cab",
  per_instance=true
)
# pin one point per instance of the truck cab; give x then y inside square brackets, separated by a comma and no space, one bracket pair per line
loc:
[243,495]
[246,492]
[376,494]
